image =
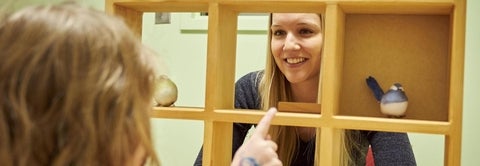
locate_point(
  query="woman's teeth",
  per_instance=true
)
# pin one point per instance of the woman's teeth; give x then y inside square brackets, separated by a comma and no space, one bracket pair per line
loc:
[295,60]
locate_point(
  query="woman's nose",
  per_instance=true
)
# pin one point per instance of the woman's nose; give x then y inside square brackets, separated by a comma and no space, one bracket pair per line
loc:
[291,43]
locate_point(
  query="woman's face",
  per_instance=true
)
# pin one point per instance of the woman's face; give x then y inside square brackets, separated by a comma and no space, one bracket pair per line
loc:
[296,45]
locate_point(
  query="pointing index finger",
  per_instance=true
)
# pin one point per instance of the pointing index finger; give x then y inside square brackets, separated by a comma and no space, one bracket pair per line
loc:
[262,128]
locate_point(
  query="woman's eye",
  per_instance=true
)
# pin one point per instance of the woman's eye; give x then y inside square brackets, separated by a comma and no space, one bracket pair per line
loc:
[305,31]
[278,33]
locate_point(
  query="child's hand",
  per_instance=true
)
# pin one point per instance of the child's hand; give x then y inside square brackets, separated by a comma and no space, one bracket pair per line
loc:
[259,149]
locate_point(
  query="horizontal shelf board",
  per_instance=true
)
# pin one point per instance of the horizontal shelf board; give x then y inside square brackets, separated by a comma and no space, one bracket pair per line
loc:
[299,107]
[306,120]
[187,113]
[413,50]
[344,122]
[389,124]
[165,6]
[340,1]
[276,6]
[265,6]
[410,7]
[253,116]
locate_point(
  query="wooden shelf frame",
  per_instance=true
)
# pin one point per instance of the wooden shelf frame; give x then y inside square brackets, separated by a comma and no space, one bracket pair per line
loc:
[218,113]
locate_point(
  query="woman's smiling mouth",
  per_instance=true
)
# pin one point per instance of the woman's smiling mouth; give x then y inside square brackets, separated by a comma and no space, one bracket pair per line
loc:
[295,60]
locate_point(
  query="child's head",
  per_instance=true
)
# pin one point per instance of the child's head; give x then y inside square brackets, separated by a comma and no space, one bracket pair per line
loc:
[75,88]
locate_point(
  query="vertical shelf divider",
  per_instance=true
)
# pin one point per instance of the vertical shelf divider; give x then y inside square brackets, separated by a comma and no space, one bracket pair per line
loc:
[453,140]
[328,145]
[222,31]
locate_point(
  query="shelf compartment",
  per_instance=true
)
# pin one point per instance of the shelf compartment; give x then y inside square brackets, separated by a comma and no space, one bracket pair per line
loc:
[413,50]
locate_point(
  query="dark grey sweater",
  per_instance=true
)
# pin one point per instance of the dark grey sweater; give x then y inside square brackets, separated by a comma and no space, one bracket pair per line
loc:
[392,149]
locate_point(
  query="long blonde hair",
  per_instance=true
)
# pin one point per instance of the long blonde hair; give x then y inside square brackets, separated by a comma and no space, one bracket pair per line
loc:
[274,87]
[75,89]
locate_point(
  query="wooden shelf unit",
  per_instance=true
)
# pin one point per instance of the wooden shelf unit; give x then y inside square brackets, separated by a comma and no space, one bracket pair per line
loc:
[417,42]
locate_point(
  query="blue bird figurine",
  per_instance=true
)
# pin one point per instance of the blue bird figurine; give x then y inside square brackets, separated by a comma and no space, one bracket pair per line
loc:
[394,102]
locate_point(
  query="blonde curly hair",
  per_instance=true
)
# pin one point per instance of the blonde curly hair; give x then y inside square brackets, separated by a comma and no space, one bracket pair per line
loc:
[75,89]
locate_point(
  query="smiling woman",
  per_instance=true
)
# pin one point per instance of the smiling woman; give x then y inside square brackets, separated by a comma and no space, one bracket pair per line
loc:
[292,74]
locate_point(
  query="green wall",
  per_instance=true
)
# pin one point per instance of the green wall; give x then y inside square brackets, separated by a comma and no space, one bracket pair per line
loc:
[471,97]
[183,52]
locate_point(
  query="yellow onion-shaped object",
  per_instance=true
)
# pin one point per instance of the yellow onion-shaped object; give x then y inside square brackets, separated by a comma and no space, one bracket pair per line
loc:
[165,91]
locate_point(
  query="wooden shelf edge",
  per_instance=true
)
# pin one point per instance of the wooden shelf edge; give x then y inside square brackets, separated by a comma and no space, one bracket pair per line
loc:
[400,7]
[253,116]
[393,125]
[299,107]
[185,113]
[165,6]
[352,6]
[306,120]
